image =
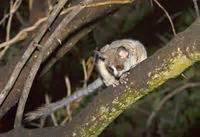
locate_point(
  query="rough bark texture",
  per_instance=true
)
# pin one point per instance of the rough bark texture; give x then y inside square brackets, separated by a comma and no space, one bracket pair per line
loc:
[168,62]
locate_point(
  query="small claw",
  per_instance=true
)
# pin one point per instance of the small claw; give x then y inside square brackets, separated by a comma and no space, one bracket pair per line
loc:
[116,83]
[124,78]
[113,82]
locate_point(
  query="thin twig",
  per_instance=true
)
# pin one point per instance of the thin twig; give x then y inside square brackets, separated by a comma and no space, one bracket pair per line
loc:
[166,98]
[22,34]
[168,16]
[68,85]
[8,28]
[87,69]
[196,7]
[47,100]
[84,73]
[42,122]
[13,8]
[151,3]
[4,18]
[12,11]
[90,69]
[108,2]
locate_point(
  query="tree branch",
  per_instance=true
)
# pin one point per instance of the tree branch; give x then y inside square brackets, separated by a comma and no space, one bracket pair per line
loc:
[168,62]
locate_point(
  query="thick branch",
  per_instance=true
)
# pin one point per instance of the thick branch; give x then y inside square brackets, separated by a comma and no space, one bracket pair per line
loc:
[166,63]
